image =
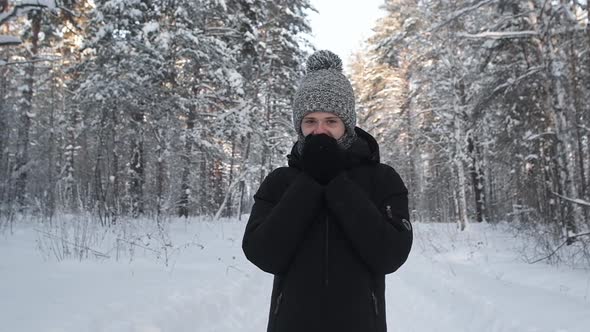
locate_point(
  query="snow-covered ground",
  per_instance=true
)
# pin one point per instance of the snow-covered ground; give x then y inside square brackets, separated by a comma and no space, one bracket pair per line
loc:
[470,281]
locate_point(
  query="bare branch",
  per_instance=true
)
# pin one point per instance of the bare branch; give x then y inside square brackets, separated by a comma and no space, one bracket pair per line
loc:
[95,252]
[551,254]
[518,34]
[133,243]
[500,34]
[573,200]
[9,40]
[21,8]
[4,63]
[567,241]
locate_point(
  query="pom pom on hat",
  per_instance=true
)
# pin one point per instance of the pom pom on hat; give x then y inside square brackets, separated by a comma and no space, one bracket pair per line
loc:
[323,60]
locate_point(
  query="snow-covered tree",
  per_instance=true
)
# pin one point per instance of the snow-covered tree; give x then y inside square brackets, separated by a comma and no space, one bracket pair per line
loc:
[493,93]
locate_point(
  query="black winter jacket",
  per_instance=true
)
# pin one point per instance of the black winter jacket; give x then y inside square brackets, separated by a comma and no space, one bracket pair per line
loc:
[331,246]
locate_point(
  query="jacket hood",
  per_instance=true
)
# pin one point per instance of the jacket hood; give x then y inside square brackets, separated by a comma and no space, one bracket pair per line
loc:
[364,150]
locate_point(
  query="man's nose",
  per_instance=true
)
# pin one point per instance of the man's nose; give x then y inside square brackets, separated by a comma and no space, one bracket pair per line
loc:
[320,129]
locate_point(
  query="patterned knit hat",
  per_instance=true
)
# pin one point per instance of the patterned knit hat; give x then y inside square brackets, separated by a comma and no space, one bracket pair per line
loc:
[324,88]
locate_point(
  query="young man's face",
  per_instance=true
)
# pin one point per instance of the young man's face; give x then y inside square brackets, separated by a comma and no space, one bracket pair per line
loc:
[322,123]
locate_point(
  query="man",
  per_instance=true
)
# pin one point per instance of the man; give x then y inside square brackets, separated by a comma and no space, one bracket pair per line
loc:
[335,222]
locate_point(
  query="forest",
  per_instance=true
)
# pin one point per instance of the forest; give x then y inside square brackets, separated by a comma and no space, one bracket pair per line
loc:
[125,109]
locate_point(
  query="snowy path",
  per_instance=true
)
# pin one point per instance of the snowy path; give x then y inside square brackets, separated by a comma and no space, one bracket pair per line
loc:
[440,296]
[467,282]
[482,286]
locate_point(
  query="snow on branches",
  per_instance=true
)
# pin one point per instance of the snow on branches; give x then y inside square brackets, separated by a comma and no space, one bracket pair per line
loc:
[21,7]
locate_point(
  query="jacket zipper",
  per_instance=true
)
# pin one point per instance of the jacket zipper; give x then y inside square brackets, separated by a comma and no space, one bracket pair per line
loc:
[375,304]
[389,213]
[278,303]
[326,252]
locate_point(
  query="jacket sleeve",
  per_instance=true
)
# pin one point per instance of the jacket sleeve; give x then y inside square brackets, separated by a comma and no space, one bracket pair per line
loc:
[279,219]
[381,234]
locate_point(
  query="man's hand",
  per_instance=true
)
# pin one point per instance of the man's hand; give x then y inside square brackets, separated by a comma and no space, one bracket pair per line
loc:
[322,158]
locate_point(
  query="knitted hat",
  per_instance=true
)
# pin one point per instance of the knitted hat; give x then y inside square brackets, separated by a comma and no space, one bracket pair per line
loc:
[324,88]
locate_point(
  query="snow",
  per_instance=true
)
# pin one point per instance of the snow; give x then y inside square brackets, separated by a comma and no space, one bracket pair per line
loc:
[469,281]
[575,200]
[46,3]
[150,27]
[236,81]
[135,13]
[163,39]
[25,6]
[223,4]
[501,34]
[9,40]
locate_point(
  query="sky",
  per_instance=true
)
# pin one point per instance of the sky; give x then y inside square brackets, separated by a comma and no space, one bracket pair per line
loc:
[342,26]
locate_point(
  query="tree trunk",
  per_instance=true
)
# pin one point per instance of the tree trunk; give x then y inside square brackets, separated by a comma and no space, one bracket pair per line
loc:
[456,213]
[579,175]
[137,178]
[550,212]
[587,105]
[160,171]
[137,166]
[70,152]
[459,134]
[265,140]
[185,188]
[410,141]
[50,209]
[228,210]
[461,197]
[26,113]
[557,107]
[561,119]
[204,191]
[460,173]
[490,179]
[216,188]
[243,183]
[5,159]
[101,185]
[477,177]
[114,177]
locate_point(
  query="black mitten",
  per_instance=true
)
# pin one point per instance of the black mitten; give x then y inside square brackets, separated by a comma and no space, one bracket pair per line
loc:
[322,158]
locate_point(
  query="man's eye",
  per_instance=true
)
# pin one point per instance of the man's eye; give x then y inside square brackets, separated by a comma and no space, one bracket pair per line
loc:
[308,121]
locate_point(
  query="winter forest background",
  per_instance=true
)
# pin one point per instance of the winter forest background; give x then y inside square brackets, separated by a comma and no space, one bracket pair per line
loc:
[121,109]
